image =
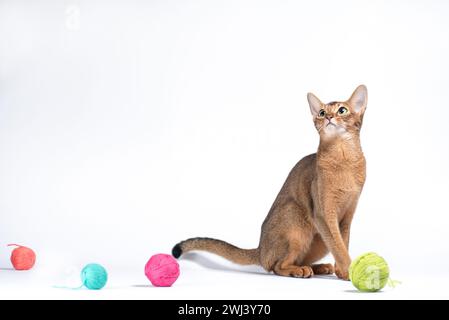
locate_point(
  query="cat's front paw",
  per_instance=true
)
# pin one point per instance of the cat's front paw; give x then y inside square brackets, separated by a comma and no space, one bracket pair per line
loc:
[342,272]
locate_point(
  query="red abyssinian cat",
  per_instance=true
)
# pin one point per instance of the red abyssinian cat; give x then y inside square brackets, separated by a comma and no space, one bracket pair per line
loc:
[312,213]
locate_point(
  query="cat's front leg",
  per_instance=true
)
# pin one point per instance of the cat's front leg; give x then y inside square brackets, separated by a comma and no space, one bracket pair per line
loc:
[345,231]
[328,226]
[346,221]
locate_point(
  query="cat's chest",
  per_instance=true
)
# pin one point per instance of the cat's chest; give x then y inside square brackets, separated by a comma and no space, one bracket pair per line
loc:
[350,180]
[343,179]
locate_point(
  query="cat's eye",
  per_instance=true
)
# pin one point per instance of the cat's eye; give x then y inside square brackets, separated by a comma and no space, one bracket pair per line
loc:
[322,113]
[343,110]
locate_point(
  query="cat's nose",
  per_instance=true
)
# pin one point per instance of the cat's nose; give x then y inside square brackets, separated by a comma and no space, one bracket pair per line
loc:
[329,117]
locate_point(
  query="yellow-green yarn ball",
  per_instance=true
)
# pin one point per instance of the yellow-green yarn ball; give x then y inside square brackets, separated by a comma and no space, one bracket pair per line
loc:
[369,272]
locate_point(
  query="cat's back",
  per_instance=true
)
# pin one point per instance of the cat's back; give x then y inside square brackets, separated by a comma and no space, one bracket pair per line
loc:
[306,162]
[299,180]
[297,186]
[303,172]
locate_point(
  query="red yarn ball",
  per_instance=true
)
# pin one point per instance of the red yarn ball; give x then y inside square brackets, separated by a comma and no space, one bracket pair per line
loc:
[22,258]
[162,270]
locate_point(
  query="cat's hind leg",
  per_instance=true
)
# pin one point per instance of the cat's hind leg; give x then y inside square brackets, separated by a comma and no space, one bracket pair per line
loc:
[286,238]
[288,269]
[317,251]
[323,268]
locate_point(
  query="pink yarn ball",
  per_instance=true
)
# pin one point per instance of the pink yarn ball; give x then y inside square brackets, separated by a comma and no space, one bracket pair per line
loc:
[162,270]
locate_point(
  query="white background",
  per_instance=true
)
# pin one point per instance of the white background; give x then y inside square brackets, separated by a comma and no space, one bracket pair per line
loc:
[128,126]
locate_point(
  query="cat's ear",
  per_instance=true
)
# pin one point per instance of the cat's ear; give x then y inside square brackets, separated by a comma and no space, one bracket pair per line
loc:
[359,99]
[314,103]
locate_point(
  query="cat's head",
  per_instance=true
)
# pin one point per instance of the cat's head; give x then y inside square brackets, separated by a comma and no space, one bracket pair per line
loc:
[339,119]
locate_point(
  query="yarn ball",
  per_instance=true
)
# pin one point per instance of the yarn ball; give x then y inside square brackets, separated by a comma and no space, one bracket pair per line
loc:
[94,276]
[22,258]
[369,272]
[162,270]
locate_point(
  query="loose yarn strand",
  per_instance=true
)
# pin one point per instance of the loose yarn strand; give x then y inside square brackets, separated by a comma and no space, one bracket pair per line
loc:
[393,283]
[70,288]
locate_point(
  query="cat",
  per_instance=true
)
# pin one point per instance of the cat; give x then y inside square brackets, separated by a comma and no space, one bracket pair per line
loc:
[313,211]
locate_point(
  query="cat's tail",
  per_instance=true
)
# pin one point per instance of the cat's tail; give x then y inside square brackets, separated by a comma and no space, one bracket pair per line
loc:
[221,248]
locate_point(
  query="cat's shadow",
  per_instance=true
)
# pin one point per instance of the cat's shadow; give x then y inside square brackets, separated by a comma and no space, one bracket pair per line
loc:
[208,263]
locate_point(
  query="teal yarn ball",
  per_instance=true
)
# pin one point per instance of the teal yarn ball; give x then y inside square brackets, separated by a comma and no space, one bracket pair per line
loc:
[94,276]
